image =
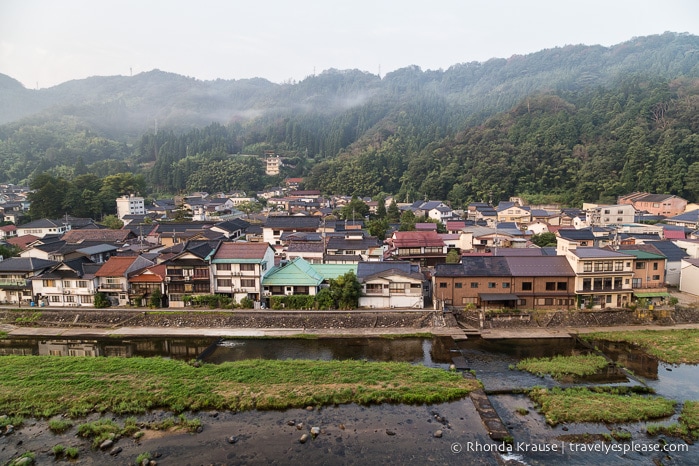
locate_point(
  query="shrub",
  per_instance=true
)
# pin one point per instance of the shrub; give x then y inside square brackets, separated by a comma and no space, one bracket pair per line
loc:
[58,426]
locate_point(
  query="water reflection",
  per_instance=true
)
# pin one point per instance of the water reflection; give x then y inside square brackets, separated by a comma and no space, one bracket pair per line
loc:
[429,352]
[177,348]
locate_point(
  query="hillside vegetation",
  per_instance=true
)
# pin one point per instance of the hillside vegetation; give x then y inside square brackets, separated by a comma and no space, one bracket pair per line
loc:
[568,124]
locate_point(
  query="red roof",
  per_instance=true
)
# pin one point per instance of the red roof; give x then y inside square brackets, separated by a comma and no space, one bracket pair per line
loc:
[116,266]
[22,241]
[674,234]
[155,274]
[416,239]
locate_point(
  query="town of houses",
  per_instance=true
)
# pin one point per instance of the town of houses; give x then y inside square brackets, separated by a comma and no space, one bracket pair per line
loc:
[604,255]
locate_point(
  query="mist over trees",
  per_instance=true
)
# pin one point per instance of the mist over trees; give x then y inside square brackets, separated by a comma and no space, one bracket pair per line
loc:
[569,124]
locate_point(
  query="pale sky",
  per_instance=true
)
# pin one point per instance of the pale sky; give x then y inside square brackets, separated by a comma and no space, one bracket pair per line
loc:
[48,42]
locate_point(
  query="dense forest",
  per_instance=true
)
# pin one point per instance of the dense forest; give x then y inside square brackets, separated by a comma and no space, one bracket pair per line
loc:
[569,124]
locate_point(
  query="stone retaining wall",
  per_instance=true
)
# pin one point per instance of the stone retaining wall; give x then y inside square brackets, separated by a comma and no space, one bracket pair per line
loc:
[238,319]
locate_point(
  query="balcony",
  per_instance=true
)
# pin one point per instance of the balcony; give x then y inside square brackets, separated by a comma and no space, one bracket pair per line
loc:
[14,283]
[112,286]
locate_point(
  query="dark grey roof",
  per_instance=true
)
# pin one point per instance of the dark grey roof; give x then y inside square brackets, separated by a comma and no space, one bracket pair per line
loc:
[691,216]
[25,264]
[305,246]
[542,266]
[596,253]
[233,225]
[285,222]
[576,235]
[654,198]
[42,223]
[670,250]
[366,269]
[340,243]
[528,252]
[475,266]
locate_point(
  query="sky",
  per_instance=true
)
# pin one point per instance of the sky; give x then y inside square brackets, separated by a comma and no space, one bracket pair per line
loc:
[47,42]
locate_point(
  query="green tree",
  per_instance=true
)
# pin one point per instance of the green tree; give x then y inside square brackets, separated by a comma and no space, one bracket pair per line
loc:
[393,213]
[407,221]
[346,291]
[381,207]
[156,298]
[249,207]
[356,209]
[378,228]
[112,222]
[8,250]
[546,239]
[453,257]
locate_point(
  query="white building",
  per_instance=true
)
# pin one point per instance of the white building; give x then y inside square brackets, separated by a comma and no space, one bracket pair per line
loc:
[130,205]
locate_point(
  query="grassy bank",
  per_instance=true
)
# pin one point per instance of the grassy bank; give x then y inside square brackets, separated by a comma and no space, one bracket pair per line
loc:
[561,366]
[672,346]
[599,405]
[44,386]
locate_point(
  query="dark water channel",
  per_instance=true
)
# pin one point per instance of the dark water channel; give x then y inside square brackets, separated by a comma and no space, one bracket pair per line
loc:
[265,438]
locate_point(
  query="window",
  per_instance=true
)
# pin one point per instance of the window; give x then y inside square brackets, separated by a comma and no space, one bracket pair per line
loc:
[373,288]
[587,284]
[505,285]
[223,282]
[618,266]
[81,284]
[656,277]
[55,299]
[640,265]
[550,286]
[474,284]
[223,266]
[562,286]
[526,286]
[49,283]
[70,299]
[442,284]
[247,283]
[247,267]
[458,285]
[491,285]
[587,266]
[66,283]
[655,266]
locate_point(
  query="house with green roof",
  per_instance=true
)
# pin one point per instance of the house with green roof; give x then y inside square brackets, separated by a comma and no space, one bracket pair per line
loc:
[298,276]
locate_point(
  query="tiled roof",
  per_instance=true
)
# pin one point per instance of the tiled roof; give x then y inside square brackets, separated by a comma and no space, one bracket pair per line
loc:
[416,239]
[238,250]
[110,236]
[542,266]
[284,222]
[116,266]
[24,264]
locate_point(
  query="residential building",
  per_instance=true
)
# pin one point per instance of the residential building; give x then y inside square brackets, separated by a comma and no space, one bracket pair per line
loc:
[130,205]
[354,243]
[299,277]
[513,212]
[113,277]
[68,284]
[188,272]
[514,282]
[689,282]
[275,226]
[15,274]
[607,215]
[237,269]
[392,284]
[143,283]
[43,227]
[666,205]
[688,219]
[425,248]
[603,277]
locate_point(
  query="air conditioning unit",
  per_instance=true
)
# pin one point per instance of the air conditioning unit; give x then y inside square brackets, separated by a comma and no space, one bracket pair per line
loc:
[67,291]
[167,279]
[267,293]
[187,278]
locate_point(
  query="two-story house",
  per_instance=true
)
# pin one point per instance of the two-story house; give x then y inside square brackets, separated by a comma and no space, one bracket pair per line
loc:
[113,277]
[509,282]
[15,274]
[68,284]
[237,269]
[391,284]
[276,225]
[425,248]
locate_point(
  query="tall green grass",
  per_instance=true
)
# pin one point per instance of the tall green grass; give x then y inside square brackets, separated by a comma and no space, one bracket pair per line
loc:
[677,346]
[44,386]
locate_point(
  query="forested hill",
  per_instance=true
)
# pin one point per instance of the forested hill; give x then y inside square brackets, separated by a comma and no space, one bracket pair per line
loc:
[580,122]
